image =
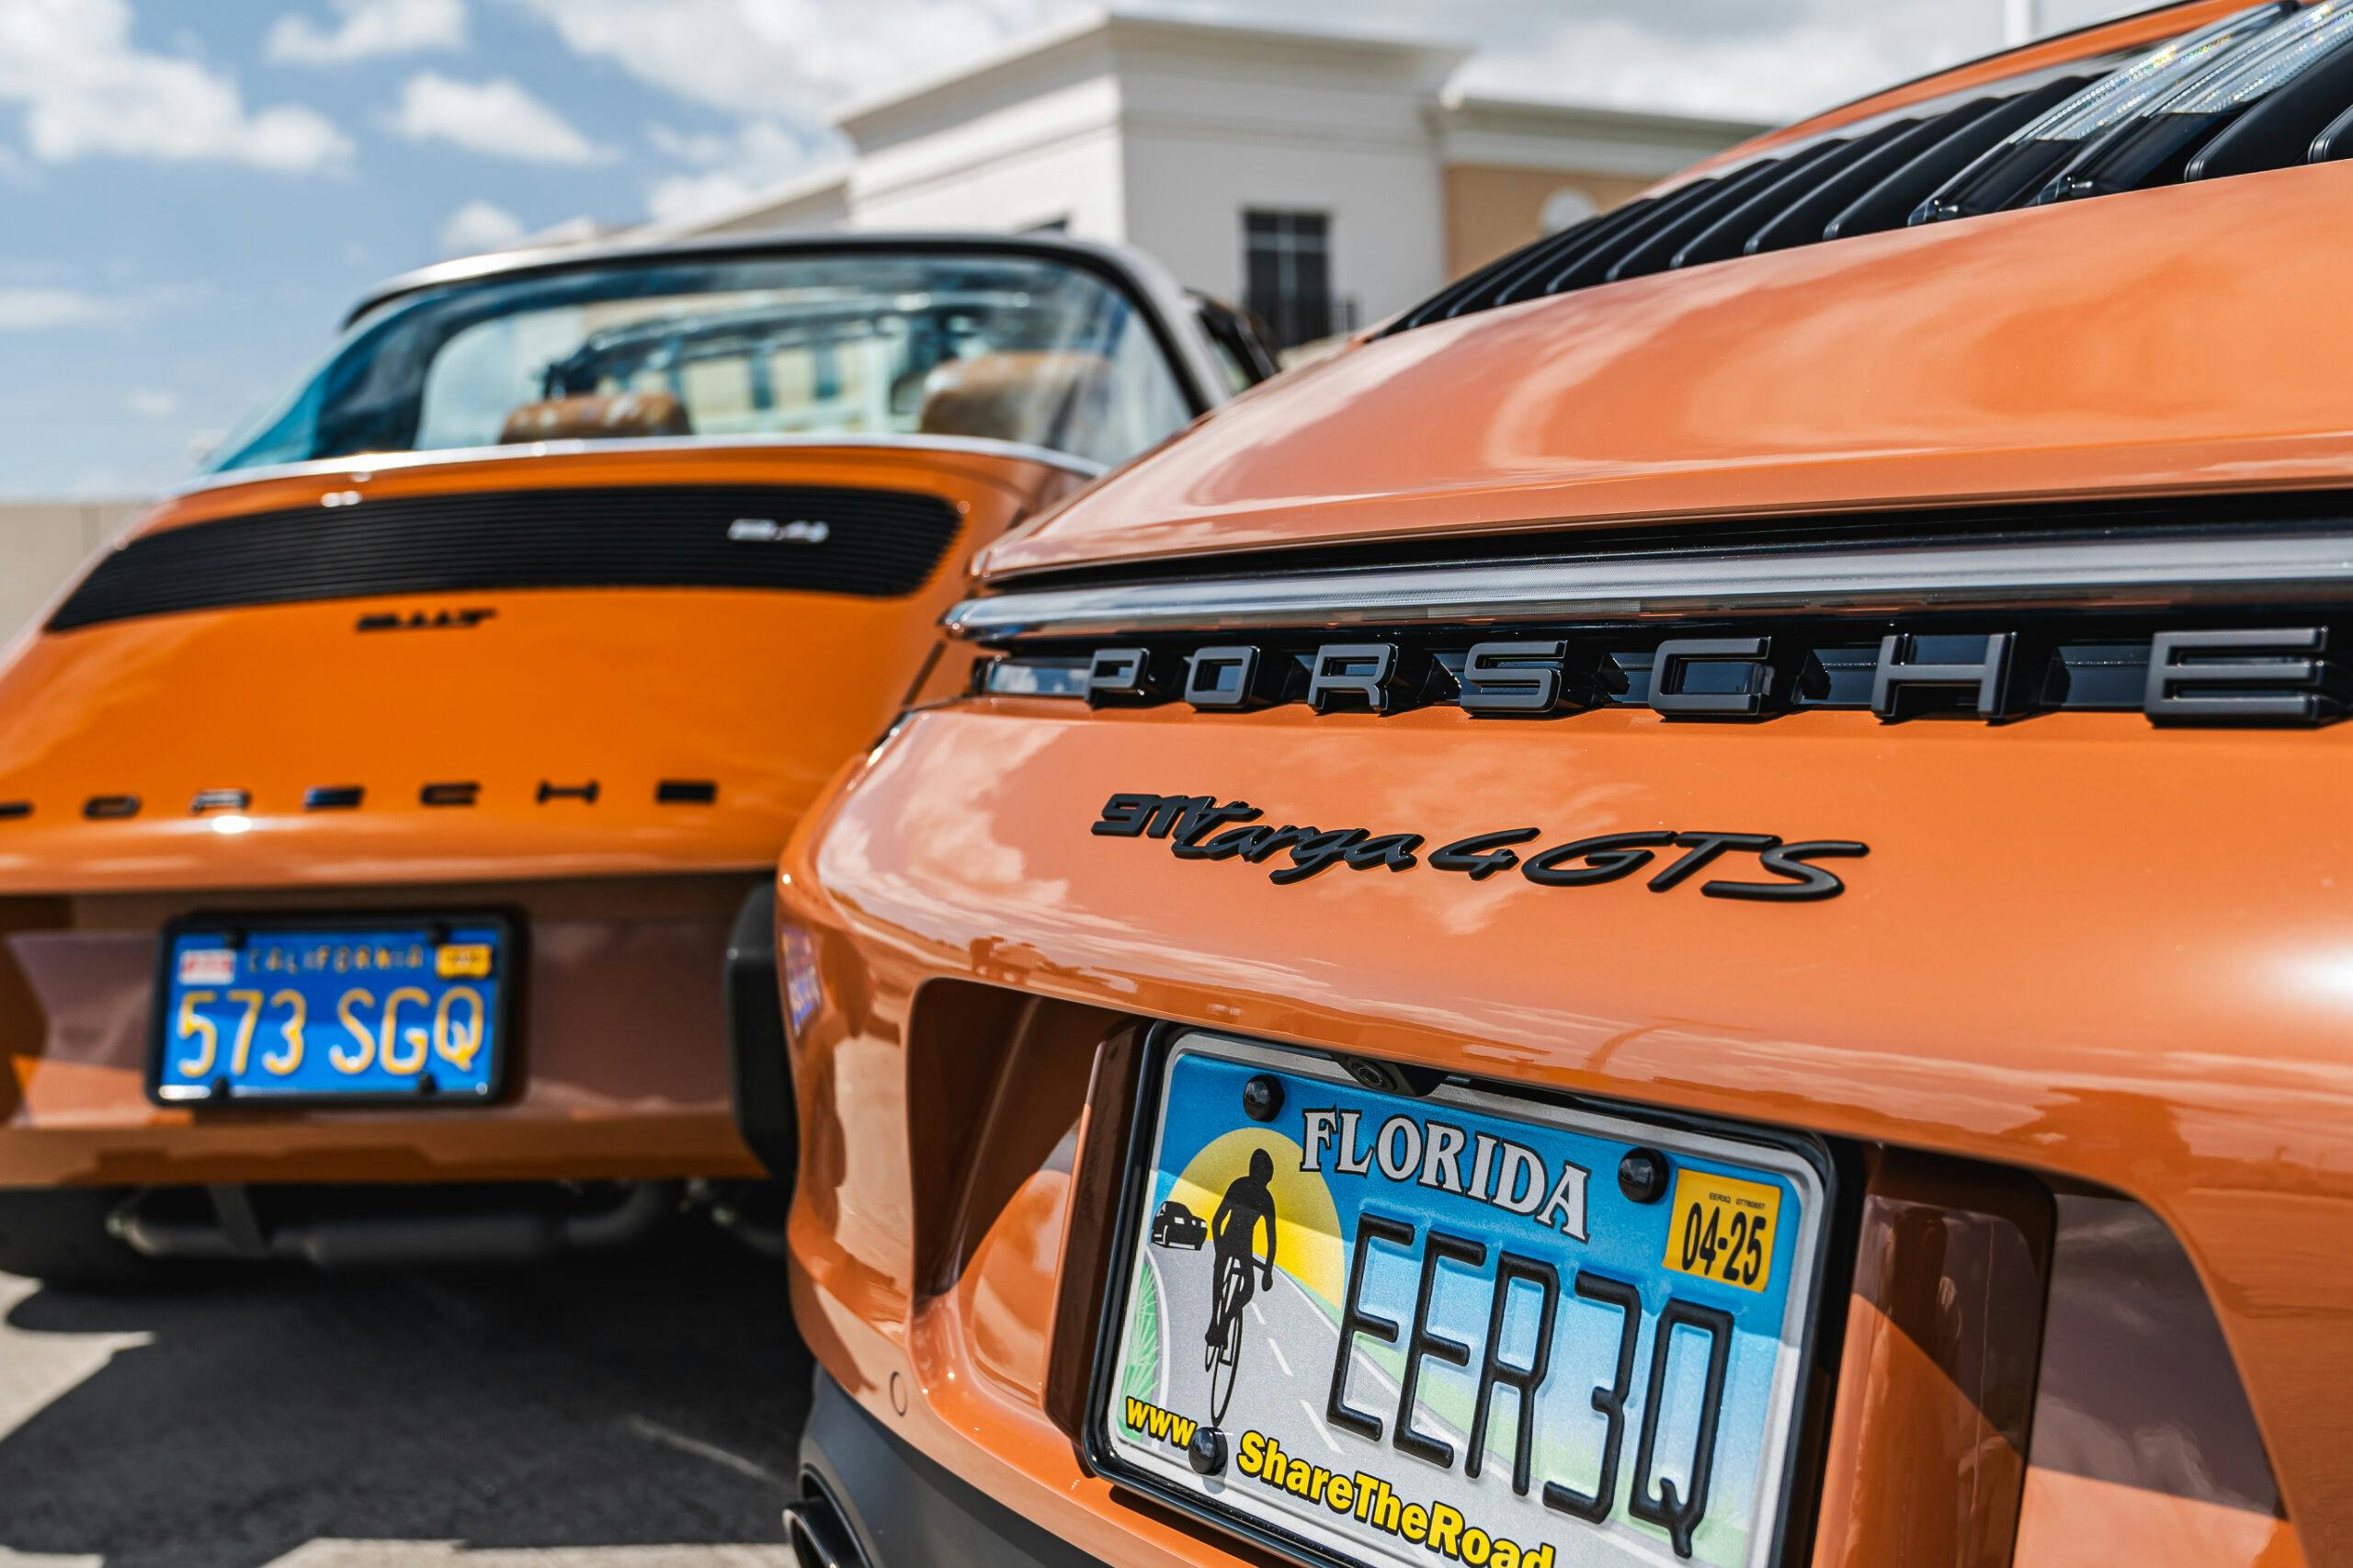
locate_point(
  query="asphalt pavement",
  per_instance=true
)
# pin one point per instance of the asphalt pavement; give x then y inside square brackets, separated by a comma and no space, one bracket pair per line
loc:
[636,1411]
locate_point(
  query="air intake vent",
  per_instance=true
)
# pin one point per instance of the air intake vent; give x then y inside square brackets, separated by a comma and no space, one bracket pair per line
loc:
[2265,89]
[874,543]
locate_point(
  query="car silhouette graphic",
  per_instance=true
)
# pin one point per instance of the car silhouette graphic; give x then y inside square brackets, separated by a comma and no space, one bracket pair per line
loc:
[1178,1226]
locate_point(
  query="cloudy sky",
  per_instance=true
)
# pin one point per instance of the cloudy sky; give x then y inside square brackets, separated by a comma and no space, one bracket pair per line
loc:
[191,193]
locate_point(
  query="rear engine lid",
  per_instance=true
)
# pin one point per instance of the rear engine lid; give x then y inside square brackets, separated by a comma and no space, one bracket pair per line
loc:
[2075,274]
[525,666]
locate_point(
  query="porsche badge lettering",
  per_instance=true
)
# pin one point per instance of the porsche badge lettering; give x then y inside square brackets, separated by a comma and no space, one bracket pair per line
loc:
[1201,827]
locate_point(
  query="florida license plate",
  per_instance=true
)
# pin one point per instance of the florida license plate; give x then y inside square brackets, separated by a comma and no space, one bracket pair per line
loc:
[373,1008]
[1371,1327]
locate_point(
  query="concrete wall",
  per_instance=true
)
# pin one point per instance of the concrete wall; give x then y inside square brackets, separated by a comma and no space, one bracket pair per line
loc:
[1208,141]
[1031,141]
[1161,133]
[1055,161]
[43,543]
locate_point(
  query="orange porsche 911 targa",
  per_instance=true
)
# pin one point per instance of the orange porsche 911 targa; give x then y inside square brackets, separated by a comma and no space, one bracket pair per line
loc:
[1717,863]
[386,821]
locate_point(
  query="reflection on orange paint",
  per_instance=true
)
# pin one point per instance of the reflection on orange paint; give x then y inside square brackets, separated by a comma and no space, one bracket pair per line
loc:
[2073,1522]
[997,1290]
[1905,369]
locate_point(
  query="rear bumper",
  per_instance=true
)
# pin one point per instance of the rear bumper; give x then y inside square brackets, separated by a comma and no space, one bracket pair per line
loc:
[908,1512]
[621,1067]
[2044,1034]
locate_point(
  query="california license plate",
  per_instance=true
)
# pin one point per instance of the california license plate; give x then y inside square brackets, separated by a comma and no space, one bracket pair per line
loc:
[1371,1327]
[372,1009]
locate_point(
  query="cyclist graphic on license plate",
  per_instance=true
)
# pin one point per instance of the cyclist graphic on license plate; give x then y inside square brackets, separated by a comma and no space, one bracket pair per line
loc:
[1234,1230]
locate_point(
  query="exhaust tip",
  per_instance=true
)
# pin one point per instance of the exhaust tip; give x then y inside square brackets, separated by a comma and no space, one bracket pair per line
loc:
[819,1531]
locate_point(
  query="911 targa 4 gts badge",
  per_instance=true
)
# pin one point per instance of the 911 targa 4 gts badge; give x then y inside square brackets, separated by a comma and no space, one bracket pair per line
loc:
[1201,827]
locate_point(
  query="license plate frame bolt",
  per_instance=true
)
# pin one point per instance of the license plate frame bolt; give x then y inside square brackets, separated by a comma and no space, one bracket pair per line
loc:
[1642,1175]
[1262,1097]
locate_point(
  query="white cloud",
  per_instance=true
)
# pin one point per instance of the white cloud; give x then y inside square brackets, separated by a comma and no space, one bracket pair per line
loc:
[795,62]
[788,65]
[480,226]
[701,148]
[152,402]
[1737,58]
[761,148]
[730,167]
[497,117]
[364,29]
[680,198]
[788,59]
[35,309]
[85,90]
[1734,58]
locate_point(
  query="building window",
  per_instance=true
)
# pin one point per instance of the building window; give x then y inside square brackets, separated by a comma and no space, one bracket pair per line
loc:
[1286,275]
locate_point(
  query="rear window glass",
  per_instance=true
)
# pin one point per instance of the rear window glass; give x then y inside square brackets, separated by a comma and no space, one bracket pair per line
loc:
[1013,348]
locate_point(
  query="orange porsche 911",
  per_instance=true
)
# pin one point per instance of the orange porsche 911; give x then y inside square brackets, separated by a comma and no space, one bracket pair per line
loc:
[1716,863]
[381,816]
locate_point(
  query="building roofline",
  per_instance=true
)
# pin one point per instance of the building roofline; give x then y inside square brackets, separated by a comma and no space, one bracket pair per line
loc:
[1020,49]
[1443,54]
[1464,106]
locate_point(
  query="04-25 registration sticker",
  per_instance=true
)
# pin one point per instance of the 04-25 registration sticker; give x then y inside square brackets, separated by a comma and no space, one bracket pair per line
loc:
[1723,1229]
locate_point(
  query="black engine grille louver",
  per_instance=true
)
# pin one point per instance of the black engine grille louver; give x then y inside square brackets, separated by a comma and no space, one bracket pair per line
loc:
[2265,89]
[876,544]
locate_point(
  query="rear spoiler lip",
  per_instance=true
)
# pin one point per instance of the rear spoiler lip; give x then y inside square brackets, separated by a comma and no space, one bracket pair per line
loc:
[359,464]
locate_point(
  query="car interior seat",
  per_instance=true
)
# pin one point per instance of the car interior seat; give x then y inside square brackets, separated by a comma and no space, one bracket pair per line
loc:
[1059,398]
[592,416]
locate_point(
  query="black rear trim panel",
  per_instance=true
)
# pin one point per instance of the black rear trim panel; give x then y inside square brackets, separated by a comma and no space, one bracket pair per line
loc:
[875,543]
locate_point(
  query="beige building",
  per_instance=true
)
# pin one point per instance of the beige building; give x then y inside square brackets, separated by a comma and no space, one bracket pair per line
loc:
[1516,170]
[41,544]
[1323,179]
